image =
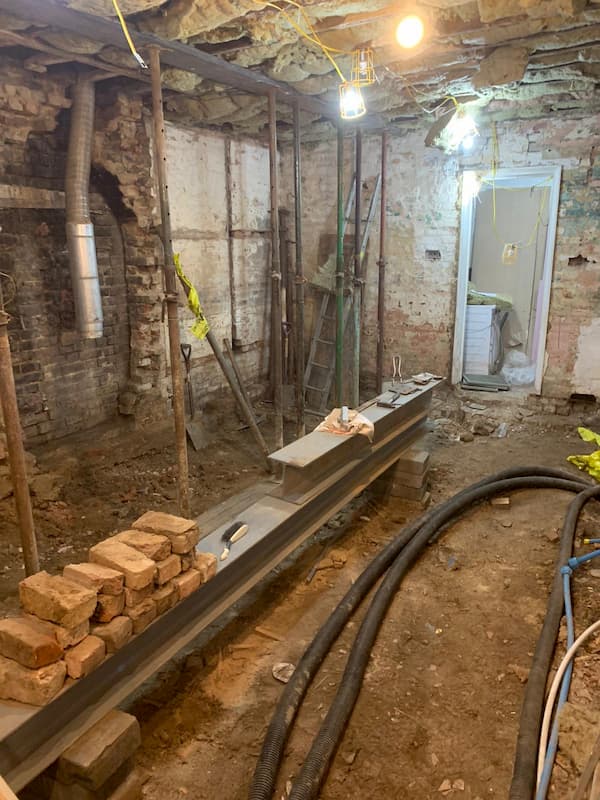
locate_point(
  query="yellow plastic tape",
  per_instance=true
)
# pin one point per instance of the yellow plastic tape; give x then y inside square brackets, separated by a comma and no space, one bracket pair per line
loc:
[200,327]
[589,463]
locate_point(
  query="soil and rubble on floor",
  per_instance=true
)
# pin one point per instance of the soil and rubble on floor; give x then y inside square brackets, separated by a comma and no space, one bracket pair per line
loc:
[439,709]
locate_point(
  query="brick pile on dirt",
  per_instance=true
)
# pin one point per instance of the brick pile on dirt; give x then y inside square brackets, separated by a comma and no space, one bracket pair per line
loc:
[70,623]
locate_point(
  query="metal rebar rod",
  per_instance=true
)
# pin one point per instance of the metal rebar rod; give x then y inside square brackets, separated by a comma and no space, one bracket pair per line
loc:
[299,294]
[170,281]
[357,283]
[276,332]
[339,271]
[381,263]
[16,452]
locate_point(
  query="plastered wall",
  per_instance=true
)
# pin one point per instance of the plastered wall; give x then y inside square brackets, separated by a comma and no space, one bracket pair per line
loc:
[423,219]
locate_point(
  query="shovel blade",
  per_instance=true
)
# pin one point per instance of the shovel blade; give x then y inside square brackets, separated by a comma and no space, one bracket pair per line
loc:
[197,434]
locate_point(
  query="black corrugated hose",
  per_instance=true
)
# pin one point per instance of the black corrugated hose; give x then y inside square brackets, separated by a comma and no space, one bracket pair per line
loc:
[396,558]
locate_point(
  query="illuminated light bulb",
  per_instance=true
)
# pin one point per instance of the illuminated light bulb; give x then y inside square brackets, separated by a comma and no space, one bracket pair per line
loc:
[352,104]
[410,31]
[461,130]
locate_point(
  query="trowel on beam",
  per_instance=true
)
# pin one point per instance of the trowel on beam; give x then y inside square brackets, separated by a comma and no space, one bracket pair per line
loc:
[194,427]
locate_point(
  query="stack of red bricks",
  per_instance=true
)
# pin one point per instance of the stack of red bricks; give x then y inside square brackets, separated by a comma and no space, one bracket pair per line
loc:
[72,621]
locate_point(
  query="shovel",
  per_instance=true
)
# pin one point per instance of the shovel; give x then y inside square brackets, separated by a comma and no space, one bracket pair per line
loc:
[195,428]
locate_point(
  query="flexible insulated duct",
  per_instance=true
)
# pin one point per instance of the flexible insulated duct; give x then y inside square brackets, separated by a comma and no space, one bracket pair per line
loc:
[80,231]
[393,562]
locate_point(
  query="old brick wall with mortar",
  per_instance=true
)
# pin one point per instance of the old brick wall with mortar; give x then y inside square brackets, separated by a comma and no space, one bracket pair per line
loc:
[423,217]
[65,383]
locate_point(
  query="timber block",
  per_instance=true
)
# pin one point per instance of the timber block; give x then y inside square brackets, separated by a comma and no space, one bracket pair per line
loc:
[103,579]
[85,657]
[115,633]
[137,568]
[54,598]
[142,615]
[187,582]
[206,564]
[28,642]
[46,787]
[109,606]
[34,686]
[97,755]
[167,569]
[152,545]
[165,597]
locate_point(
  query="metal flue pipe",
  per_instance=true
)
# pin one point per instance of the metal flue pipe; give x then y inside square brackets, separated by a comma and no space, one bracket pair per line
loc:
[381,263]
[170,280]
[80,231]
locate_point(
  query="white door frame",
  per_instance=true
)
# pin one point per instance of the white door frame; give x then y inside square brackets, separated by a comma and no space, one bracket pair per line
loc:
[518,177]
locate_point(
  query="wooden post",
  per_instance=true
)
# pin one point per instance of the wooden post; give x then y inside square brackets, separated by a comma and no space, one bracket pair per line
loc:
[16,452]
[170,277]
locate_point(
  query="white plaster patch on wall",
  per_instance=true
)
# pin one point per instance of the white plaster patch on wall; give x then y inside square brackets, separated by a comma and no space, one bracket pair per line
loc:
[586,375]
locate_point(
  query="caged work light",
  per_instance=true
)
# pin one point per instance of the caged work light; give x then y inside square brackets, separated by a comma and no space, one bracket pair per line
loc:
[363,69]
[352,104]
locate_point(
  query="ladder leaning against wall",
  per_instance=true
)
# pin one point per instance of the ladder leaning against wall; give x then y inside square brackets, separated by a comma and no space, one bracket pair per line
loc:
[320,366]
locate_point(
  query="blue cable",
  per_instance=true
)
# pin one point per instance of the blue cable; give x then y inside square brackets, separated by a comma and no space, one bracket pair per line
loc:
[550,756]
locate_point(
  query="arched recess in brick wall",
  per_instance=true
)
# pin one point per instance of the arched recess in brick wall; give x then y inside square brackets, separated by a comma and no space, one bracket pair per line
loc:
[64,383]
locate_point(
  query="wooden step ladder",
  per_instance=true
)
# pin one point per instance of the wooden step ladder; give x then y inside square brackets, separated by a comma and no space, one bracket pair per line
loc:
[320,366]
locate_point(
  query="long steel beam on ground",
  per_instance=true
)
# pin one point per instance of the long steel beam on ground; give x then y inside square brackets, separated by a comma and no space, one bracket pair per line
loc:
[33,738]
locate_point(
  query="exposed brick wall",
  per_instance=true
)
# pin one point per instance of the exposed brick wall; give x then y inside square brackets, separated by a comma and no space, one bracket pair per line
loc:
[423,213]
[65,383]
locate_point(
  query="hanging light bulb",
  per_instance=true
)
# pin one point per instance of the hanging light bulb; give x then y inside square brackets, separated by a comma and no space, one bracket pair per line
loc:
[461,130]
[410,31]
[352,104]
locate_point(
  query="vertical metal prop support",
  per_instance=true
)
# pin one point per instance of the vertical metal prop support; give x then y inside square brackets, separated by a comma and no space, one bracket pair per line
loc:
[170,277]
[357,294]
[16,451]
[228,197]
[276,347]
[382,265]
[300,355]
[339,271]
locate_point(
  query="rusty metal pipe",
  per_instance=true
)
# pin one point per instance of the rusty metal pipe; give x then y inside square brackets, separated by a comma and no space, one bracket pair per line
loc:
[357,284]
[16,452]
[299,296]
[381,263]
[276,319]
[170,281]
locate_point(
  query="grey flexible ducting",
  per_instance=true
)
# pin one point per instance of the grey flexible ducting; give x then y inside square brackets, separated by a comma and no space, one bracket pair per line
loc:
[401,553]
[80,231]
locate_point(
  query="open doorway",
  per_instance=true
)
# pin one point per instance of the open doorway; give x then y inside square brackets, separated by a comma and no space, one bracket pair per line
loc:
[508,232]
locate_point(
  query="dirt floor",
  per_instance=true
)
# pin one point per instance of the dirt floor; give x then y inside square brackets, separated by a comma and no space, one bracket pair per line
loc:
[438,712]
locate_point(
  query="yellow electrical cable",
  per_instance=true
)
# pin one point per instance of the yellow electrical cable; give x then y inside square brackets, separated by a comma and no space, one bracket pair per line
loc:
[127,36]
[306,36]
